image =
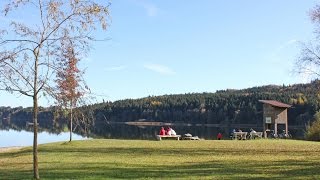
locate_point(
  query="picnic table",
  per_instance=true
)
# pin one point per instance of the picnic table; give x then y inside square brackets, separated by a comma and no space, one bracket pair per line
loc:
[177,137]
[239,135]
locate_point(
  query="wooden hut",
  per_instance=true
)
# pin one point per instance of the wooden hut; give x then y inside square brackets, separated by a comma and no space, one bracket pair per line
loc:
[274,113]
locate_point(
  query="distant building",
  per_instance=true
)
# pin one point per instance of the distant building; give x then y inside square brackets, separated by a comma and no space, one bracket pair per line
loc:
[274,113]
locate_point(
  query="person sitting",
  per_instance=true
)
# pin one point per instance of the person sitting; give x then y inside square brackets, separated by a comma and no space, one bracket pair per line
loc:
[162,131]
[253,134]
[240,135]
[219,136]
[232,133]
[168,131]
[252,131]
[173,132]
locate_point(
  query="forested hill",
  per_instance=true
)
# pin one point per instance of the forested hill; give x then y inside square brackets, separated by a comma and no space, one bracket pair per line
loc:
[221,107]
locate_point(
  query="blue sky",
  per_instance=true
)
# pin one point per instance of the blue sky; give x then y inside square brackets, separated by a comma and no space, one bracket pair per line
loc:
[178,46]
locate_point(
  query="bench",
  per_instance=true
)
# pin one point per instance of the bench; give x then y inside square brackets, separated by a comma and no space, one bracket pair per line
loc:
[159,137]
[240,135]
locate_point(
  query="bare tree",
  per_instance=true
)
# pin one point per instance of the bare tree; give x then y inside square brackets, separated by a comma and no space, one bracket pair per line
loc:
[308,63]
[29,49]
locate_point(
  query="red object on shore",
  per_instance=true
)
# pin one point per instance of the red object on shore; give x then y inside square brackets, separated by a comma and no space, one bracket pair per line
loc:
[219,136]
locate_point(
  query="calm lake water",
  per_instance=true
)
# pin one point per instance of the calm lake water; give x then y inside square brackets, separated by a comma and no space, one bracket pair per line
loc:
[23,138]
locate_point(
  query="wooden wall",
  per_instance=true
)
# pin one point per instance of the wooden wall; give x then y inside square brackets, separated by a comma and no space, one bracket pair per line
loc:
[278,115]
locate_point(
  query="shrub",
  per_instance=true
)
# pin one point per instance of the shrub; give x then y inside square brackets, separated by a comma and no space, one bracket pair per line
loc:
[313,130]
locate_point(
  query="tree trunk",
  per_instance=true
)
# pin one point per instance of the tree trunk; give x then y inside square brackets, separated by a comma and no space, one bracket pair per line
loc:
[71,124]
[35,118]
[35,138]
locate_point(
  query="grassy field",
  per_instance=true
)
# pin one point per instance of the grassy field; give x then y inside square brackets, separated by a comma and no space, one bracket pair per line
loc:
[169,159]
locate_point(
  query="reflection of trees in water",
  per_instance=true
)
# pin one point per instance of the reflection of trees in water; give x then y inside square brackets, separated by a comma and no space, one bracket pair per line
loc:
[21,120]
[149,132]
[119,130]
[224,109]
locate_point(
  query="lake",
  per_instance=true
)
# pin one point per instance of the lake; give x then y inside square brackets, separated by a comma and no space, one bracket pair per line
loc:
[10,138]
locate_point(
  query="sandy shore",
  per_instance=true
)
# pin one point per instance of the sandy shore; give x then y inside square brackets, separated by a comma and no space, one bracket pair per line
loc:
[5,149]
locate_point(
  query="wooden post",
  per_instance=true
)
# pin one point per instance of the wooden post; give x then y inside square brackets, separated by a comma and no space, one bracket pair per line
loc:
[264,128]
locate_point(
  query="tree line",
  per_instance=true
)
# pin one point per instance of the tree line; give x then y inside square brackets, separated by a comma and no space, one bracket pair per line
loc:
[226,107]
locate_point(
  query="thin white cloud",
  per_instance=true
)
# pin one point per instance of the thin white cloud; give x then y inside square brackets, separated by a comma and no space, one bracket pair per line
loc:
[151,9]
[159,69]
[115,68]
[288,43]
[292,41]
[277,55]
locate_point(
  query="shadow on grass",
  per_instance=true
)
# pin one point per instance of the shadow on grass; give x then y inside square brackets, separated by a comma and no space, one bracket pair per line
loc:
[210,170]
[102,169]
[172,151]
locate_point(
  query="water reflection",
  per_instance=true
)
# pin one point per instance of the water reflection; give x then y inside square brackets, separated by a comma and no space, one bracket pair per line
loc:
[119,131]
[11,137]
[150,132]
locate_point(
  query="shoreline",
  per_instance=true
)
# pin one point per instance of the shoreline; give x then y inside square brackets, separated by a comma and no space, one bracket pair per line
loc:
[6,149]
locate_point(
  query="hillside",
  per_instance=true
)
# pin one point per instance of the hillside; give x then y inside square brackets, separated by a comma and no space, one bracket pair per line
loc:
[212,107]
[225,108]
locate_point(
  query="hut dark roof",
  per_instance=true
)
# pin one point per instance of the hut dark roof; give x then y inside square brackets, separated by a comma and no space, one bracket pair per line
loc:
[275,103]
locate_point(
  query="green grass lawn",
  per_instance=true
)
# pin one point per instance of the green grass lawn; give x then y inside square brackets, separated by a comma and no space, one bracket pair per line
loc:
[168,159]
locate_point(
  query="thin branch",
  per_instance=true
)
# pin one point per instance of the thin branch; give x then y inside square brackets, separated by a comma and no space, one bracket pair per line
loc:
[46,76]
[312,52]
[41,15]
[57,27]
[15,69]
[17,90]
[19,73]
[14,53]
[18,40]
[307,70]
[10,80]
